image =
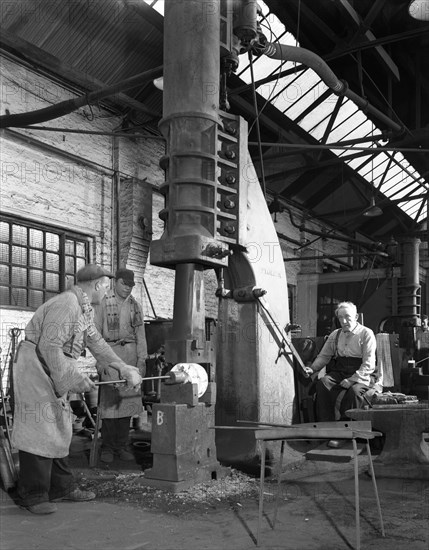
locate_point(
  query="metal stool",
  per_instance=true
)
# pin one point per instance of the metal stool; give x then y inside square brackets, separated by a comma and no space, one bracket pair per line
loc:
[319,430]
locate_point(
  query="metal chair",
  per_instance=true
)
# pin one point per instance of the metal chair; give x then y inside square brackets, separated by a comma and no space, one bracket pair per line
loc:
[319,430]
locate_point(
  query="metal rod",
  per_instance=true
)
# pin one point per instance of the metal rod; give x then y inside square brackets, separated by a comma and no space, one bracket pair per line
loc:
[261,491]
[374,483]
[149,298]
[124,381]
[357,511]
[266,424]
[373,150]
[88,413]
[279,481]
[333,256]
[132,135]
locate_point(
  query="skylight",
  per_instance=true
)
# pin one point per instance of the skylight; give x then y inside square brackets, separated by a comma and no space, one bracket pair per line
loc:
[298,95]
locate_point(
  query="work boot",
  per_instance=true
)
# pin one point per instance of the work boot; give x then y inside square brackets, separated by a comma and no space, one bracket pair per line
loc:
[77,495]
[41,508]
[106,456]
[125,455]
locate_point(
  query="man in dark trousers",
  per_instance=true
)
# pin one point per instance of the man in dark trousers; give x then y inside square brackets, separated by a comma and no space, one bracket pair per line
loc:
[119,318]
[44,373]
[349,355]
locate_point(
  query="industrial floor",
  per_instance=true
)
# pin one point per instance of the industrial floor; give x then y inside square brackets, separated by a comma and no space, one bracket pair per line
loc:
[316,511]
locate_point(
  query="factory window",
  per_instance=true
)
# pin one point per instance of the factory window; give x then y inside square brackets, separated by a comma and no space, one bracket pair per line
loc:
[37,262]
[329,296]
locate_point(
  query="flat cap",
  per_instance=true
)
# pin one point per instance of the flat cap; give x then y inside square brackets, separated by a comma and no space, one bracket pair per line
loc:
[91,272]
[126,275]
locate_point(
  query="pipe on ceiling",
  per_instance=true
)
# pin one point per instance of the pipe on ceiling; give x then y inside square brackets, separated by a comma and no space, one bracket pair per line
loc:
[63,108]
[283,52]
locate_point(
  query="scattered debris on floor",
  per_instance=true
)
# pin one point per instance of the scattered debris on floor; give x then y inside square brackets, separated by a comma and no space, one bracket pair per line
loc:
[127,488]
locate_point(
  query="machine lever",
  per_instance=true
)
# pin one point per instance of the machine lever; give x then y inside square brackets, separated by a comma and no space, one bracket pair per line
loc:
[285,339]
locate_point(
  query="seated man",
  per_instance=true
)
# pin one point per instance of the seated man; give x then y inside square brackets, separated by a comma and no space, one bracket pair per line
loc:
[350,373]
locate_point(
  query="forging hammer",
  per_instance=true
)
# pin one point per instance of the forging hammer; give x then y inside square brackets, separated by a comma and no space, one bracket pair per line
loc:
[172,377]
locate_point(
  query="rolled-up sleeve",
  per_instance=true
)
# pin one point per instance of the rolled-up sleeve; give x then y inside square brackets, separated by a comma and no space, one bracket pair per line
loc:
[368,346]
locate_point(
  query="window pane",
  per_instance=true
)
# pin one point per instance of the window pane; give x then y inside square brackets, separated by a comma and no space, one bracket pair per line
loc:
[36,238]
[81,249]
[4,232]
[52,281]
[19,234]
[52,242]
[19,255]
[80,263]
[4,273]
[19,297]
[4,296]
[69,247]
[69,264]
[19,276]
[36,258]
[53,262]
[4,253]
[36,278]
[35,298]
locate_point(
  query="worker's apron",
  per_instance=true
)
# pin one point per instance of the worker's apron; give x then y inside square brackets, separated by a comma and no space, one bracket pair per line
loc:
[345,365]
[42,421]
[117,401]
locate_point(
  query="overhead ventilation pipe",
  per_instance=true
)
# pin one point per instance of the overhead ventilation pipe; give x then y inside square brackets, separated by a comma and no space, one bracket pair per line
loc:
[21,120]
[283,52]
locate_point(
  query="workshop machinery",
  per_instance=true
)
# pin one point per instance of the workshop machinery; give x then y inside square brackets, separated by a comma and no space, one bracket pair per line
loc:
[216,218]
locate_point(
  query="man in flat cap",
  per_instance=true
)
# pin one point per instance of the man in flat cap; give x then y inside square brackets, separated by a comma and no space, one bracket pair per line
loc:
[119,318]
[44,373]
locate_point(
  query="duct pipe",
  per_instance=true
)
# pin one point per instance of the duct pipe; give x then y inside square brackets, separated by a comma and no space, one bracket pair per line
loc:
[65,107]
[283,52]
[409,288]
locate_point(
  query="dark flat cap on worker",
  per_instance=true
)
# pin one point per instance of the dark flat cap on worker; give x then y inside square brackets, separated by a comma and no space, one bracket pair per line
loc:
[91,272]
[126,275]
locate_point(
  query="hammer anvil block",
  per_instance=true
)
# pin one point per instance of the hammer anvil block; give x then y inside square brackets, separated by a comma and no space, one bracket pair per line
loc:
[186,394]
